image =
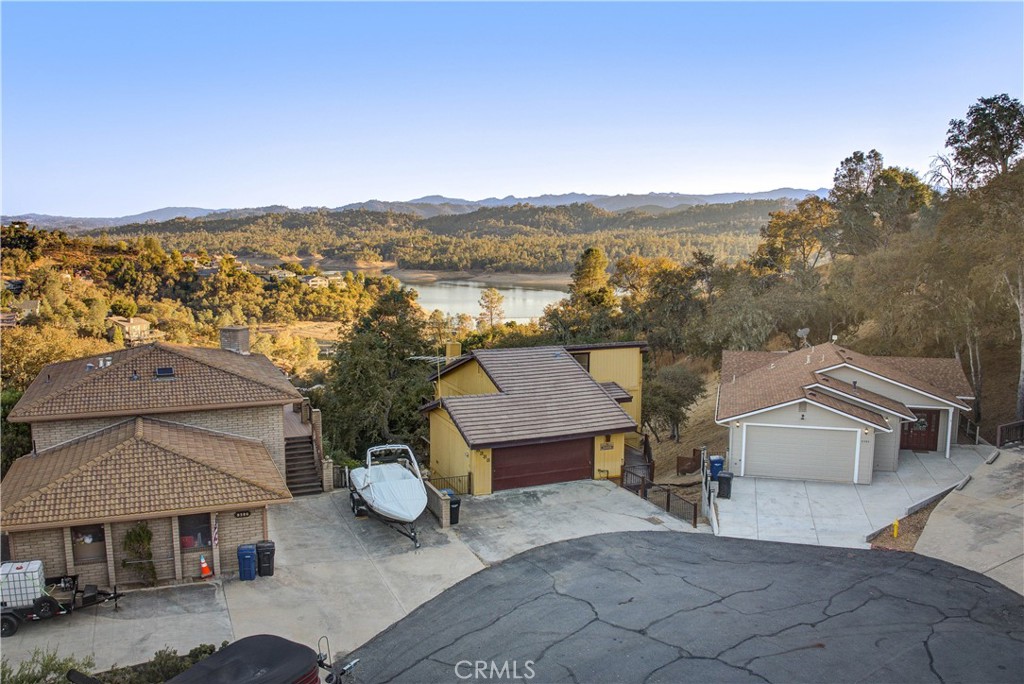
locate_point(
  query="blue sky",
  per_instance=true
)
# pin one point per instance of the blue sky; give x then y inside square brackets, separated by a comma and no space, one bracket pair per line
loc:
[112,109]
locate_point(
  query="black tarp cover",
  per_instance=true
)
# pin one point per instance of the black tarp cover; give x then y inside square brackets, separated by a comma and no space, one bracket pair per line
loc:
[260,659]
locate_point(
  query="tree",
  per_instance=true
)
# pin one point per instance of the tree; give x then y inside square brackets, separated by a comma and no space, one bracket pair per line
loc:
[668,397]
[26,349]
[123,306]
[492,313]
[15,438]
[989,141]
[794,241]
[588,314]
[983,231]
[373,388]
[873,203]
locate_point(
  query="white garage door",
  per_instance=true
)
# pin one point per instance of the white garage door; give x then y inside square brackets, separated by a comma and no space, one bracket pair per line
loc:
[800,453]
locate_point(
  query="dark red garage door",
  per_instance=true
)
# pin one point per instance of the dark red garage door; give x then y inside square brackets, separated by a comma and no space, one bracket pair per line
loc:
[538,464]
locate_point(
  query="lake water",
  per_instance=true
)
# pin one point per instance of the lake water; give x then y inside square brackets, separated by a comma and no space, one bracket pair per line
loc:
[463,296]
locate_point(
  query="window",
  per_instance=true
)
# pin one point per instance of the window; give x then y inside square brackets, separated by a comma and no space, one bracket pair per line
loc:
[194,531]
[89,544]
[583,358]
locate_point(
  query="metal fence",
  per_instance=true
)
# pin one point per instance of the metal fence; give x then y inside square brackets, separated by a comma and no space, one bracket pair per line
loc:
[462,484]
[637,480]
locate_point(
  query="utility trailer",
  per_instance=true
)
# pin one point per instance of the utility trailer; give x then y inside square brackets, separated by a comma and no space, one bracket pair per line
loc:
[27,595]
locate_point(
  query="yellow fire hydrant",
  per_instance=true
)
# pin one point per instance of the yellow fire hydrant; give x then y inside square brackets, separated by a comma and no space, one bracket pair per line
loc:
[895,528]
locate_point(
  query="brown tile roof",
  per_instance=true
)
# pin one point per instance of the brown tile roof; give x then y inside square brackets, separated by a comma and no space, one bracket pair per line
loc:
[775,379]
[616,392]
[138,468]
[896,368]
[203,378]
[543,395]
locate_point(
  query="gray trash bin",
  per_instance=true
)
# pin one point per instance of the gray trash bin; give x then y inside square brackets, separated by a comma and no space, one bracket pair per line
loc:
[724,484]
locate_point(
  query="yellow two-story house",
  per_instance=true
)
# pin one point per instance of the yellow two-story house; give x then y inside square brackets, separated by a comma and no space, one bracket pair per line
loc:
[523,417]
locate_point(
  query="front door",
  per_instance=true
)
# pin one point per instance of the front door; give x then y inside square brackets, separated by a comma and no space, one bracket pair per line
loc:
[922,434]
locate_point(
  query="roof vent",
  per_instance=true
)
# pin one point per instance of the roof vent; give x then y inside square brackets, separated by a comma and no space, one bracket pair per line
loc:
[135,374]
[89,366]
[854,384]
[771,367]
[165,372]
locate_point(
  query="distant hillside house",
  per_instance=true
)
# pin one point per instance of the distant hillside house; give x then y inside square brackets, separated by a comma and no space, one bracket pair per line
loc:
[315,281]
[196,442]
[134,330]
[522,417]
[279,274]
[29,307]
[831,414]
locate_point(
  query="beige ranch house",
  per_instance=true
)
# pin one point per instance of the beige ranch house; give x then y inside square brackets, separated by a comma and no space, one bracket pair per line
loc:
[830,414]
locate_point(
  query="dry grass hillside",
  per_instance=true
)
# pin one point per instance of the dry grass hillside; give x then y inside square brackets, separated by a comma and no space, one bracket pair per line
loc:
[700,429]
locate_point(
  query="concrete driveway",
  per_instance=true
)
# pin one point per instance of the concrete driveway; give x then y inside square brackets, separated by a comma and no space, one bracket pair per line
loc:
[834,514]
[340,576]
[643,607]
[981,527]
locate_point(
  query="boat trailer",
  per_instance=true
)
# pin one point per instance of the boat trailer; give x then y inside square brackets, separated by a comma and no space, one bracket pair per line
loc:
[360,509]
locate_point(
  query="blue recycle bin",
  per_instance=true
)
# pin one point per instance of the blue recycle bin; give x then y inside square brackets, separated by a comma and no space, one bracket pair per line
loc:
[717,463]
[247,562]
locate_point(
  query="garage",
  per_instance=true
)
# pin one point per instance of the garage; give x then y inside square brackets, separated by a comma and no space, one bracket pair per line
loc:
[538,464]
[794,453]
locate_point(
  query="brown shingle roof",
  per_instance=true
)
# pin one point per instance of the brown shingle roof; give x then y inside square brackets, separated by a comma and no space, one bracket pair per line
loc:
[742,362]
[544,395]
[139,468]
[203,378]
[945,374]
[775,379]
[845,388]
[846,408]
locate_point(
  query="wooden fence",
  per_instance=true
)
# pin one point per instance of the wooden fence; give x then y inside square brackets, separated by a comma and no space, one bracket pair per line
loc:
[1009,433]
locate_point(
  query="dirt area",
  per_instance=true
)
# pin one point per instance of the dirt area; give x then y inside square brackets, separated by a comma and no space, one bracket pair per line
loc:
[909,531]
[700,429]
[319,330]
[999,389]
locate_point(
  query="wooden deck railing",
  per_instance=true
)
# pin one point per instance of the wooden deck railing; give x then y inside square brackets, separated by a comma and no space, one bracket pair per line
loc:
[1009,433]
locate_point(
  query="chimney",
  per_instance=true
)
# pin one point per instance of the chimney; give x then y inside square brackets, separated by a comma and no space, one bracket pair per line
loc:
[235,338]
[452,350]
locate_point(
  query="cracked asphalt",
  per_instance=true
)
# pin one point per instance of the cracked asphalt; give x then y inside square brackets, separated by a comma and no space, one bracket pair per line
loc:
[655,607]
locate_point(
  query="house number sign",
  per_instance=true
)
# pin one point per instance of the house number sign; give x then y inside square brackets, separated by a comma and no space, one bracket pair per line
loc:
[243,514]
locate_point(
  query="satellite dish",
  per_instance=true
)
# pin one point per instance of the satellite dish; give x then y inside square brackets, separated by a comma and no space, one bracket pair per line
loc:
[802,333]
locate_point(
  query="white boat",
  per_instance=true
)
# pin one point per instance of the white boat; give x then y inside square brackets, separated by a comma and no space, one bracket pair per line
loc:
[390,488]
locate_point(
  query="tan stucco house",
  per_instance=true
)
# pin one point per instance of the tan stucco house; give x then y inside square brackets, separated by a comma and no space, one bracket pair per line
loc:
[522,417]
[831,414]
[196,442]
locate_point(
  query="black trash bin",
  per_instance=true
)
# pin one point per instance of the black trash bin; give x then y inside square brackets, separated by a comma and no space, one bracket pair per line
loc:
[265,558]
[724,484]
[454,504]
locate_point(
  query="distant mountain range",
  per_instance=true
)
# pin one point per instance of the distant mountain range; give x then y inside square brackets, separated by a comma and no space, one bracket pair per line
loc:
[429,206]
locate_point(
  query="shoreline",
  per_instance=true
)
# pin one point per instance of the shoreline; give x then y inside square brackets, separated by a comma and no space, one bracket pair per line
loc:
[545,281]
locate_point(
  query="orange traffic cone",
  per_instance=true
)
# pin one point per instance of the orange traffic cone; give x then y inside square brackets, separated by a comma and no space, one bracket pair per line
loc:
[204,569]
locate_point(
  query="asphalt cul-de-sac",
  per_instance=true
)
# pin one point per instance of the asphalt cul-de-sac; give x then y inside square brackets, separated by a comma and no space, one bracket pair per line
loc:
[656,607]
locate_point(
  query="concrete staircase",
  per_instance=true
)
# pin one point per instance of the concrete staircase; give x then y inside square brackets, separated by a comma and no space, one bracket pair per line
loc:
[300,466]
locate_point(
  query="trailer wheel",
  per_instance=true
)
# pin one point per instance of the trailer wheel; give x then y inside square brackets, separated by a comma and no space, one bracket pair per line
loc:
[8,625]
[45,607]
